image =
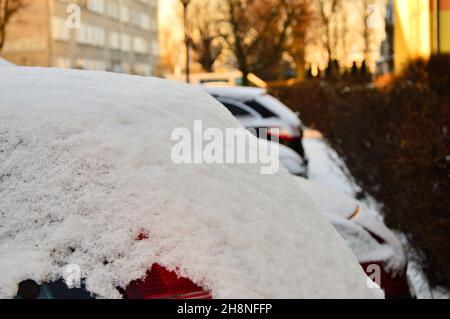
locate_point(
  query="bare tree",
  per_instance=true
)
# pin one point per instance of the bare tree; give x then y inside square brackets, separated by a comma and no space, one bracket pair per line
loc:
[170,55]
[327,10]
[257,31]
[8,8]
[298,36]
[344,36]
[204,34]
[367,32]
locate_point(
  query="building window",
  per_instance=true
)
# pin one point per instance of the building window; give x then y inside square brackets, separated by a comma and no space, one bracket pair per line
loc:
[125,42]
[97,6]
[59,30]
[142,69]
[91,35]
[155,48]
[91,64]
[113,10]
[114,40]
[140,45]
[62,62]
[141,20]
[124,14]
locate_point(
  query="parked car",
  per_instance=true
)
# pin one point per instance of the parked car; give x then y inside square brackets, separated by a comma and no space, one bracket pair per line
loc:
[89,193]
[292,161]
[288,158]
[256,109]
[370,240]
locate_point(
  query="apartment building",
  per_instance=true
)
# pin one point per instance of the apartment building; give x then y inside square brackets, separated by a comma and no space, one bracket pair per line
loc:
[422,27]
[111,35]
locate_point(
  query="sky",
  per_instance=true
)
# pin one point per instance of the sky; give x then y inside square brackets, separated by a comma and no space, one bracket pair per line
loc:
[165,6]
[168,17]
[166,10]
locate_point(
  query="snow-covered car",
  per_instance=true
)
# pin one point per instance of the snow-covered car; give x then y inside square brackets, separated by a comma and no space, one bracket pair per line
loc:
[370,240]
[89,193]
[290,160]
[4,62]
[256,109]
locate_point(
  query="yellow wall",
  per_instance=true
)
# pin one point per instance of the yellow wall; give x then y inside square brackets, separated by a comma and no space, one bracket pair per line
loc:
[445,26]
[415,23]
[412,35]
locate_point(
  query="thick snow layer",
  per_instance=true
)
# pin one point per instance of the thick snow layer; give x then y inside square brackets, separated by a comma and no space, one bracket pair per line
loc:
[366,219]
[333,189]
[235,92]
[85,168]
[326,168]
[421,286]
[338,208]
[366,248]
[291,161]
[328,199]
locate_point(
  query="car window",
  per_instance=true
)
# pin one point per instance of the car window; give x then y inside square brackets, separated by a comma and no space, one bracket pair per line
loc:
[29,289]
[262,110]
[236,110]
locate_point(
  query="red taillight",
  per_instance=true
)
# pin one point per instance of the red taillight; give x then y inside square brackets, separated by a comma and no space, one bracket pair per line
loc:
[282,133]
[163,284]
[394,286]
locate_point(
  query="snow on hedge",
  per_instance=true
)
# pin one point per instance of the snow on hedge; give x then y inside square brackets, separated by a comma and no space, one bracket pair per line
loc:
[85,168]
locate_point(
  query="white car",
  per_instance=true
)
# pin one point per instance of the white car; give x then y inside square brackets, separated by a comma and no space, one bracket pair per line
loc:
[256,109]
[370,240]
[93,205]
[289,159]
[292,161]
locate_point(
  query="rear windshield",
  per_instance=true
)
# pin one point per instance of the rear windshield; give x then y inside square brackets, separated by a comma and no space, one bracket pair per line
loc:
[261,109]
[235,110]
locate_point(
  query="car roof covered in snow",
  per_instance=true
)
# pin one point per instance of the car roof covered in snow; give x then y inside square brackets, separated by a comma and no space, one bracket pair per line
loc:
[4,62]
[85,169]
[235,92]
